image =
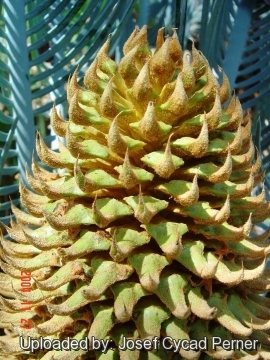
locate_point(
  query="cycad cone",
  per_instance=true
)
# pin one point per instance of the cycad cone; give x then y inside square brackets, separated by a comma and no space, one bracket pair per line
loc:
[147,232]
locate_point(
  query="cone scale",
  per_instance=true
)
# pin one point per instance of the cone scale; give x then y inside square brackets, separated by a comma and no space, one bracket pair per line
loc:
[147,232]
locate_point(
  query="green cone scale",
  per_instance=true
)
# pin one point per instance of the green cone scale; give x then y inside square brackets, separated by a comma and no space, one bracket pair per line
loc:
[146,232]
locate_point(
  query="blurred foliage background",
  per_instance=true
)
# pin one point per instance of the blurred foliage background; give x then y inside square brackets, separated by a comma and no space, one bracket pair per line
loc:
[43,41]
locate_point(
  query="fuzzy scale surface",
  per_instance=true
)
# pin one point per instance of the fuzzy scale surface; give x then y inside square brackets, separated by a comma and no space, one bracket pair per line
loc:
[147,232]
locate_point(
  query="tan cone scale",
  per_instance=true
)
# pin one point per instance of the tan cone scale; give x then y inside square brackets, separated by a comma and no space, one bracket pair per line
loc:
[147,232]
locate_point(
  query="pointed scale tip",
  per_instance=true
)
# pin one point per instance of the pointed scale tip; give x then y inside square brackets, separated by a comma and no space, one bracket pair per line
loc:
[225,89]
[213,117]
[187,73]
[160,38]
[224,213]
[199,147]
[114,140]
[73,85]
[142,213]
[127,175]
[85,184]
[165,167]
[58,124]
[191,196]
[224,172]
